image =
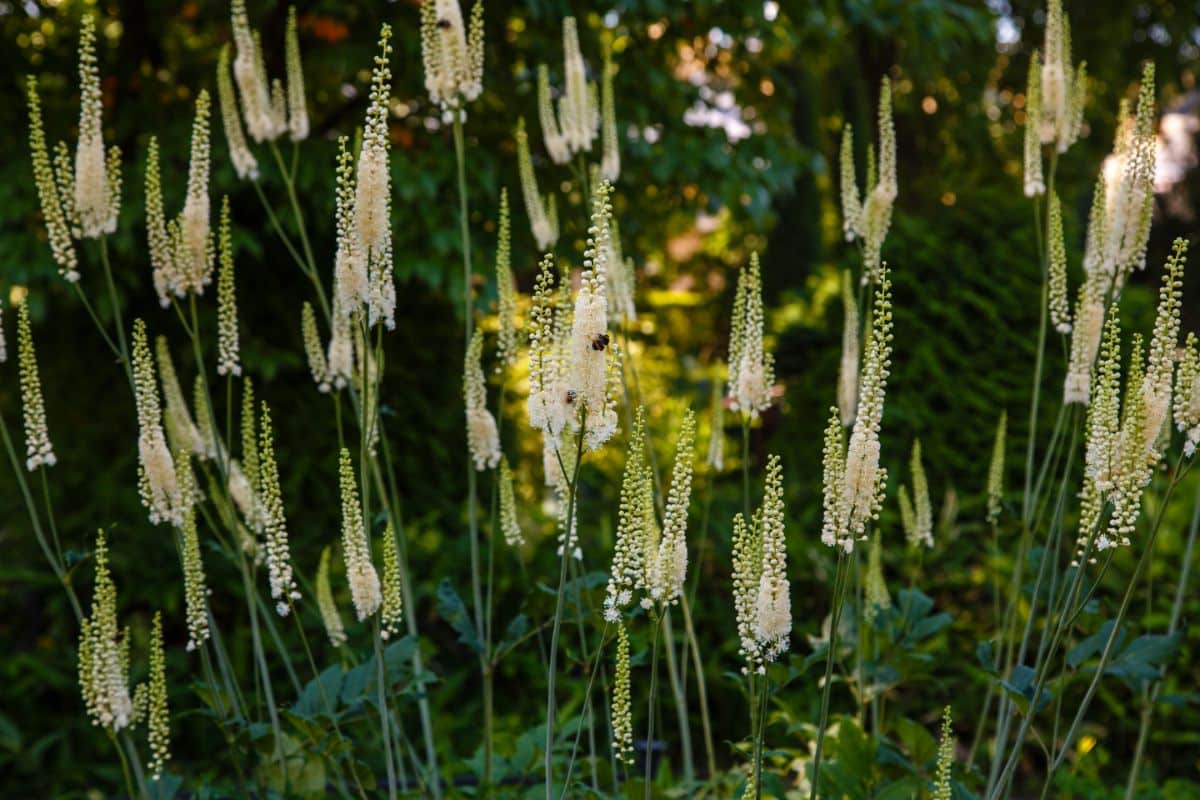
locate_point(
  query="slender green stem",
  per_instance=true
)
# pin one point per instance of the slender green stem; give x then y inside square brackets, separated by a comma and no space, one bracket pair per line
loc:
[558,608]
[264,672]
[701,688]
[656,627]
[124,765]
[760,733]
[839,589]
[587,701]
[746,467]
[680,696]
[381,685]
[114,298]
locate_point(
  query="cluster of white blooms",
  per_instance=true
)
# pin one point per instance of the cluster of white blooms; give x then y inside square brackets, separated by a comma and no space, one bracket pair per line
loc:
[104,653]
[506,290]
[279,557]
[158,483]
[573,364]
[158,713]
[244,162]
[365,589]
[182,251]
[96,202]
[571,127]
[195,586]
[391,610]
[80,197]
[610,157]
[542,212]
[183,434]
[312,347]
[646,558]
[635,517]
[331,619]
[943,789]
[666,564]
[39,452]
[1119,226]
[364,209]
[870,219]
[1060,311]
[761,596]
[751,368]
[453,55]
[1126,435]
[851,202]
[847,388]
[1187,395]
[995,484]
[1035,181]
[1117,234]
[264,103]
[622,280]
[508,508]
[918,516]
[483,437]
[228,357]
[1063,89]
[622,709]
[854,480]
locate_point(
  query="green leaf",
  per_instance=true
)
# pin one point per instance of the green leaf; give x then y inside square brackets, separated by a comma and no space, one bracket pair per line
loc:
[929,626]
[918,742]
[985,654]
[903,789]
[320,693]
[452,609]
[1145,656]
[1092,645]
[1019,688]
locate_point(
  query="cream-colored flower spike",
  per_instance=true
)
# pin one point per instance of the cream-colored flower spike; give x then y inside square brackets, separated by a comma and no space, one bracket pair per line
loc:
[331,618]
[244,162]
[453,55]
[610,159]
[351,281]
[279,557]
[1063,88]
[158,722]
[716,429]
[158,483]
[506,291]
[876,596]
[848,367]
[880,199]
[39,452]
[573,129]
[372,193]
[103,649]
[3,341]
[622,710]
[751,368]
[195,585]
[921,534]
[483,437]
[194,249]
[182,432]
[773,603]
[851,202]
[666,568]
[543,218]
[629,550]
[251,77]
[1035,183]
[95,206]
[365,588]
[854,480]
[228,342]
[297,106]
[995,484]
[589,381]
[1187,395]
[1060,312]
[391,612]
[312,348]
[549,341]
[509,525]
[58,231]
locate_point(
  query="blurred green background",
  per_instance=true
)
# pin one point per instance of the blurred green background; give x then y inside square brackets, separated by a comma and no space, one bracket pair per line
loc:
[730,115]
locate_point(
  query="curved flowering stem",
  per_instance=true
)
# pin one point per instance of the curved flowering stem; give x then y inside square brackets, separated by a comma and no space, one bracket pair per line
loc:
[835,618]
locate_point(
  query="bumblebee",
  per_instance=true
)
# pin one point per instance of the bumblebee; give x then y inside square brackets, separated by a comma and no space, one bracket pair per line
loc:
[600,341]
[444,24]
[571,395]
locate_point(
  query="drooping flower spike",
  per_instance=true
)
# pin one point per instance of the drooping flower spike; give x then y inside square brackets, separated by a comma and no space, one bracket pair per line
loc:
[452,55]
[39,452]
